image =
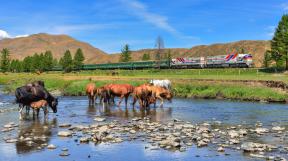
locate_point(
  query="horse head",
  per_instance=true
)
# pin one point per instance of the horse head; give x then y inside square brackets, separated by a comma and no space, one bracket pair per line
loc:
[53,104]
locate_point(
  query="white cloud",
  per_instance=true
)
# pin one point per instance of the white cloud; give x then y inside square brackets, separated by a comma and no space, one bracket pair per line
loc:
[26,35]
[4,34]
[141,10]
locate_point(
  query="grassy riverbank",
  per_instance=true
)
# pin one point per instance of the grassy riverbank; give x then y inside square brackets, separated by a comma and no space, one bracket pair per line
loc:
[186,83]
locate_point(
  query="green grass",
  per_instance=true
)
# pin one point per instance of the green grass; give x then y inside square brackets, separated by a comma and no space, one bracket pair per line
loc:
[183,84]
[240,92]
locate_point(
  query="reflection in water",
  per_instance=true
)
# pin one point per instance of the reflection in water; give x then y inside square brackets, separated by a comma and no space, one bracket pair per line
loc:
[155,114]
[35,135]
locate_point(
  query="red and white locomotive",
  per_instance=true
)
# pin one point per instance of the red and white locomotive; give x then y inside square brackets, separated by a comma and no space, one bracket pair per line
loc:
[220,61]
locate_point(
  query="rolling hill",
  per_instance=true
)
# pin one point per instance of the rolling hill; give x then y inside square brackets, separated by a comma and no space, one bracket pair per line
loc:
[58,44]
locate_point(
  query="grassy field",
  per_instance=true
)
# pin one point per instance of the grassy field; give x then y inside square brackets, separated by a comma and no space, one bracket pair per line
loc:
[186,83]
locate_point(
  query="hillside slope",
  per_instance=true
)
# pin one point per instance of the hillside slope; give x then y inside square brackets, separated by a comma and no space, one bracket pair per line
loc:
[58,44]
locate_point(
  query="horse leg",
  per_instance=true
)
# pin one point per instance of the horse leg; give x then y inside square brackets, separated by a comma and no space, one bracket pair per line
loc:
[33,114]
[101,99]
[95,99]
[134,101]
[37,110]
[45,111]
[20,111]
[126,100]
[121,98]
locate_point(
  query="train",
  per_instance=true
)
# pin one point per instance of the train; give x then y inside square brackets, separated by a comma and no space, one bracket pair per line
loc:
[220,61]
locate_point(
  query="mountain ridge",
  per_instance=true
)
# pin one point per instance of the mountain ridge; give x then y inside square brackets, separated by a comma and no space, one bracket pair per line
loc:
[58,44]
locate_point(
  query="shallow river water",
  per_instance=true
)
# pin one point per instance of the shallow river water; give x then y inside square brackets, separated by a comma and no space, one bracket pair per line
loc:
[75,110]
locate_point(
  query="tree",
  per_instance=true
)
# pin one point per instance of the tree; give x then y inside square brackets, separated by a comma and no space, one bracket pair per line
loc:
[267,59]
[146,56]
[67,62]
[279,43]
[5,60]
[27,64]
[159,45]
[16,66]
[125,54]
[78,59]
[48,61]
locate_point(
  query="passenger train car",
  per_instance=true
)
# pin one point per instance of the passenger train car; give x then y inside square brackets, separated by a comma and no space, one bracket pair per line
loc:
[220,61]
[230,60]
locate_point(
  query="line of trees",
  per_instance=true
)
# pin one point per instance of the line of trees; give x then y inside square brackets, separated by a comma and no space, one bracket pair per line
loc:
[278,54]
[41,62]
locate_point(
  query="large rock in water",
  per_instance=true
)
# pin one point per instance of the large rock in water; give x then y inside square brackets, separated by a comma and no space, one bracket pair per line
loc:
[170,141]
[256,147]
[64,133]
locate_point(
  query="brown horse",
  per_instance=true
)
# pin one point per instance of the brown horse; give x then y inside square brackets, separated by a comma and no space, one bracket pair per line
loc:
[119,90]
[104,95]
[144,95]
[39,104]
[160,93]
[91,92]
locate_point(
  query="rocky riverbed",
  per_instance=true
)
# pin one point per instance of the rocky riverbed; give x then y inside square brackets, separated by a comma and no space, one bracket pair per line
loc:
[180,131]
[175,135]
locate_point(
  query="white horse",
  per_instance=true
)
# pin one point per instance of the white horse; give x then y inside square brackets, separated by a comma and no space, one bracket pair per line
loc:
[162,83]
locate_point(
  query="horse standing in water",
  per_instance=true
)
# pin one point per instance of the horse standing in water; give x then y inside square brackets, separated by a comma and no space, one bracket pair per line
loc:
[39,104]
[91,92]
[25,95]
[119,90]
[144,95]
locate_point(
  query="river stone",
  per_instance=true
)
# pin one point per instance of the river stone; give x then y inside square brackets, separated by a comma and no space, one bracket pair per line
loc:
[84,140]
[51,146]
[7,129]
[118,140]
[261,130]
[257,156]
[99,119]
[8,126]
[278,128]
[64,133]
[221,149]
[63,154]
[242,132]
[11,140]
[233,134]
[201,143]
[132,131]
[256,147]
[65,125]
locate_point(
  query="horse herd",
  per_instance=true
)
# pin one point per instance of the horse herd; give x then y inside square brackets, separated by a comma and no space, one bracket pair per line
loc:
[146,94]
[34,95]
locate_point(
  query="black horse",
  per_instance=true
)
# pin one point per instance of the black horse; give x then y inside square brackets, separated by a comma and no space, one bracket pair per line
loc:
[25,95]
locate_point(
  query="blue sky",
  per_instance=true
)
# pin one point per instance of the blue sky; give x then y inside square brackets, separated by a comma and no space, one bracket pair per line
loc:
[110,24]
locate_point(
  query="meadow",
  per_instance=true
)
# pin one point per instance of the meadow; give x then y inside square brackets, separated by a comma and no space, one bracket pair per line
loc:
[191,83]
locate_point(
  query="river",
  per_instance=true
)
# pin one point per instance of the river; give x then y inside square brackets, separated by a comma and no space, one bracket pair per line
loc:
[75,110]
